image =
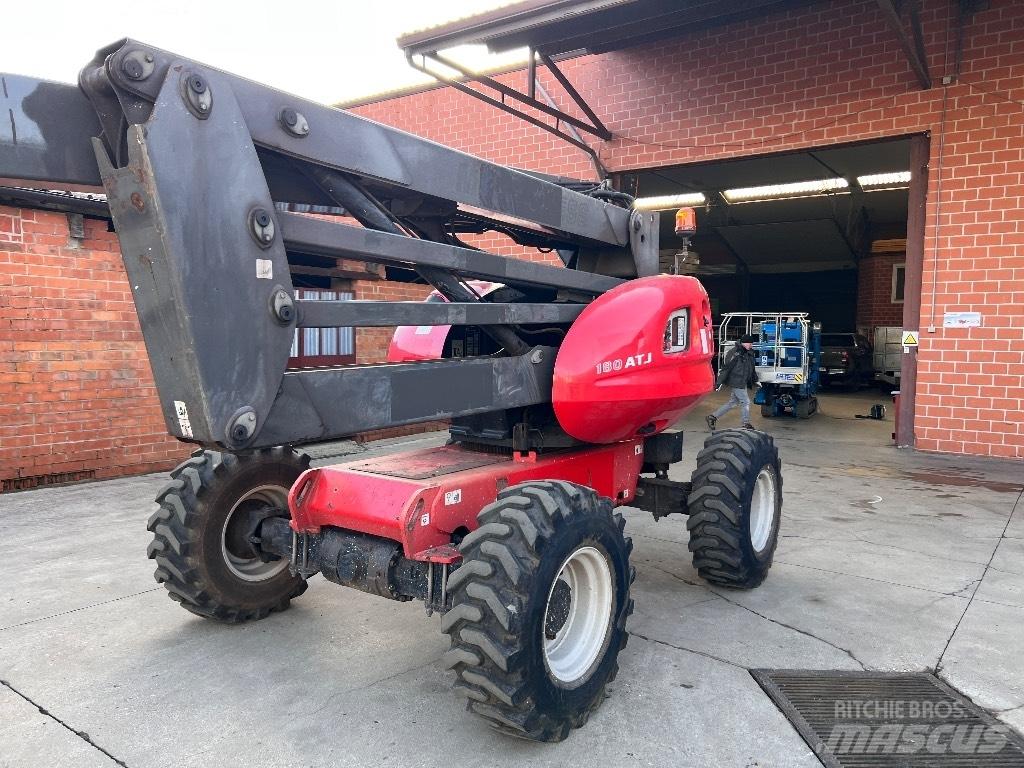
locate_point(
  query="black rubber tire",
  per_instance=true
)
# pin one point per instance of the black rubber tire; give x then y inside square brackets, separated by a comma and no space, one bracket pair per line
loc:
[767,411]
[188,528]
[719,506]
[499,601]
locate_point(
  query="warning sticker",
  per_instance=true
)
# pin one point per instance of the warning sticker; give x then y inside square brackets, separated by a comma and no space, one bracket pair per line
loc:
[183,421]
[264,269]
[910,338]
[704,341]
[453,497]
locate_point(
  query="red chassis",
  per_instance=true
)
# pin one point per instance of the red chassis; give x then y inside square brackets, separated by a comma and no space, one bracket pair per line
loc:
[423,498]
[635,360]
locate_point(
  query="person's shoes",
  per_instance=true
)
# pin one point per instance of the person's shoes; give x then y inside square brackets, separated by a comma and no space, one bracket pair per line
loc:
[711,420]
[748,426]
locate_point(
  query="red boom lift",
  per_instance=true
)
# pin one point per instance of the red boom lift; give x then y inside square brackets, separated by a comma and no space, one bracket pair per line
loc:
[561,383]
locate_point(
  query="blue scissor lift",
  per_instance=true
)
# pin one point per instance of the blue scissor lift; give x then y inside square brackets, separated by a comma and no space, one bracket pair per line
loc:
[787,352]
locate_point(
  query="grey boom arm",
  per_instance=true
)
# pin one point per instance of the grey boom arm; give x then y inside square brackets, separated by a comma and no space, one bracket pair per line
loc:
[192,161]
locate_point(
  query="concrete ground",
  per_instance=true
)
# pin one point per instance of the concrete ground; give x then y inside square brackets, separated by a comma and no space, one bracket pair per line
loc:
[888,560]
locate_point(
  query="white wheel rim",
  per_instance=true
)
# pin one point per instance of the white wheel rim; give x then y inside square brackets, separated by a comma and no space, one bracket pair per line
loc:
[578,641]
[252,568]
[762,510]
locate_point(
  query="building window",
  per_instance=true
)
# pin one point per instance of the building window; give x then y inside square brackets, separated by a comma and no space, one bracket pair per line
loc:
[899,278]
[312,347]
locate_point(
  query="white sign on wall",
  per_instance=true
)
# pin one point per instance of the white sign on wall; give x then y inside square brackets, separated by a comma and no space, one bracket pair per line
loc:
[961,320]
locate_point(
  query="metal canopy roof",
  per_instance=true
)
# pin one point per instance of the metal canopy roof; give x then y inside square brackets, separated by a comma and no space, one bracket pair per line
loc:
[552,28]
[558,27]
[804,234]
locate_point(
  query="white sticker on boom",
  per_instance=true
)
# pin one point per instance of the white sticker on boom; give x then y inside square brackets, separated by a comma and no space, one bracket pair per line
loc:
[423,330]
[452,497]
[704,341]
[183,421]
[264,269]
[425,519]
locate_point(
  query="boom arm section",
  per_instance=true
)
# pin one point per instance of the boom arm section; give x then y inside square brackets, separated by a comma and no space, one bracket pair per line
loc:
[192,160]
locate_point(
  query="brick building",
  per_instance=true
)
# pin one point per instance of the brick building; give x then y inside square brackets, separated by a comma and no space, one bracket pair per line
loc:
[826,76]
[696,108]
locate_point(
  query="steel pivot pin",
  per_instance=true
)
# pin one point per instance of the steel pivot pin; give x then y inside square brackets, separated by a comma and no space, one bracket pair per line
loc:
[294,122]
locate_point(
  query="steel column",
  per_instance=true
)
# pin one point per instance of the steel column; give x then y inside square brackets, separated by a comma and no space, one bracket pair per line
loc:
[919,149]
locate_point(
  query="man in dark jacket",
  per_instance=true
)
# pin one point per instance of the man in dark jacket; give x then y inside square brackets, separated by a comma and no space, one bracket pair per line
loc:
[738,373]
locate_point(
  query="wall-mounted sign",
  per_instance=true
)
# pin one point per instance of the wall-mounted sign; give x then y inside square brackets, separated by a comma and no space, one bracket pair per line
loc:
[961,320]
[910,338]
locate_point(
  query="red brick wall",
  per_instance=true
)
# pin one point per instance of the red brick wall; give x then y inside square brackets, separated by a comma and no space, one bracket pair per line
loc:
[874,292]
[76,393]
[829,73]
[77,398]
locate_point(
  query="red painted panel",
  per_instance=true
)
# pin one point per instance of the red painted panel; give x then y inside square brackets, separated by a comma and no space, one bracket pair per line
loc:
[624,370]
[426,342]
[422,513]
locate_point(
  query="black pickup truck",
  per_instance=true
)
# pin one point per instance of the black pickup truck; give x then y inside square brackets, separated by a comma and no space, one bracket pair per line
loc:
[845,359]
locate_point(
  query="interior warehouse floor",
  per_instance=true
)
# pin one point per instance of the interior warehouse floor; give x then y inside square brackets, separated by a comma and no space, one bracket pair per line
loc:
[888,560]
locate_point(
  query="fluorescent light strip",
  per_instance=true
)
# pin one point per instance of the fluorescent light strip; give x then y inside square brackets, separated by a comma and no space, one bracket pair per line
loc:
[669,202]
[897,179]
[796,189]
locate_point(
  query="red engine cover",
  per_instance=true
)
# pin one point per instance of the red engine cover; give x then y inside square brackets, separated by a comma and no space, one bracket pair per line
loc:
[629,366]
[426,342]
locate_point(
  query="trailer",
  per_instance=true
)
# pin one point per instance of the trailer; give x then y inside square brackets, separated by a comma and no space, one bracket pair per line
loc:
[787,355]
[887,355]
[561,384]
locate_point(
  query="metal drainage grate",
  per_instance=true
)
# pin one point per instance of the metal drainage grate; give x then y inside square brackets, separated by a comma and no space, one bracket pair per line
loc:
[896,720]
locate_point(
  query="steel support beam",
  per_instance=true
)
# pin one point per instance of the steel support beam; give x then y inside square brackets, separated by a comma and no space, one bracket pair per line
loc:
[545,107]
[46,132]
[602,172]
[600,131]
[500,104]
[370,314]
[912,44]
[306,408]
[595,126]
[54,201]
[326,238]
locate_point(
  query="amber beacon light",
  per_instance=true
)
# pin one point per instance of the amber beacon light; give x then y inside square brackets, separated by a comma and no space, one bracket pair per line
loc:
[686,222]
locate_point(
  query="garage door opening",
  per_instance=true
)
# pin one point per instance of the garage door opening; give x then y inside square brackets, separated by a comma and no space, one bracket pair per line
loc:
[822,231]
